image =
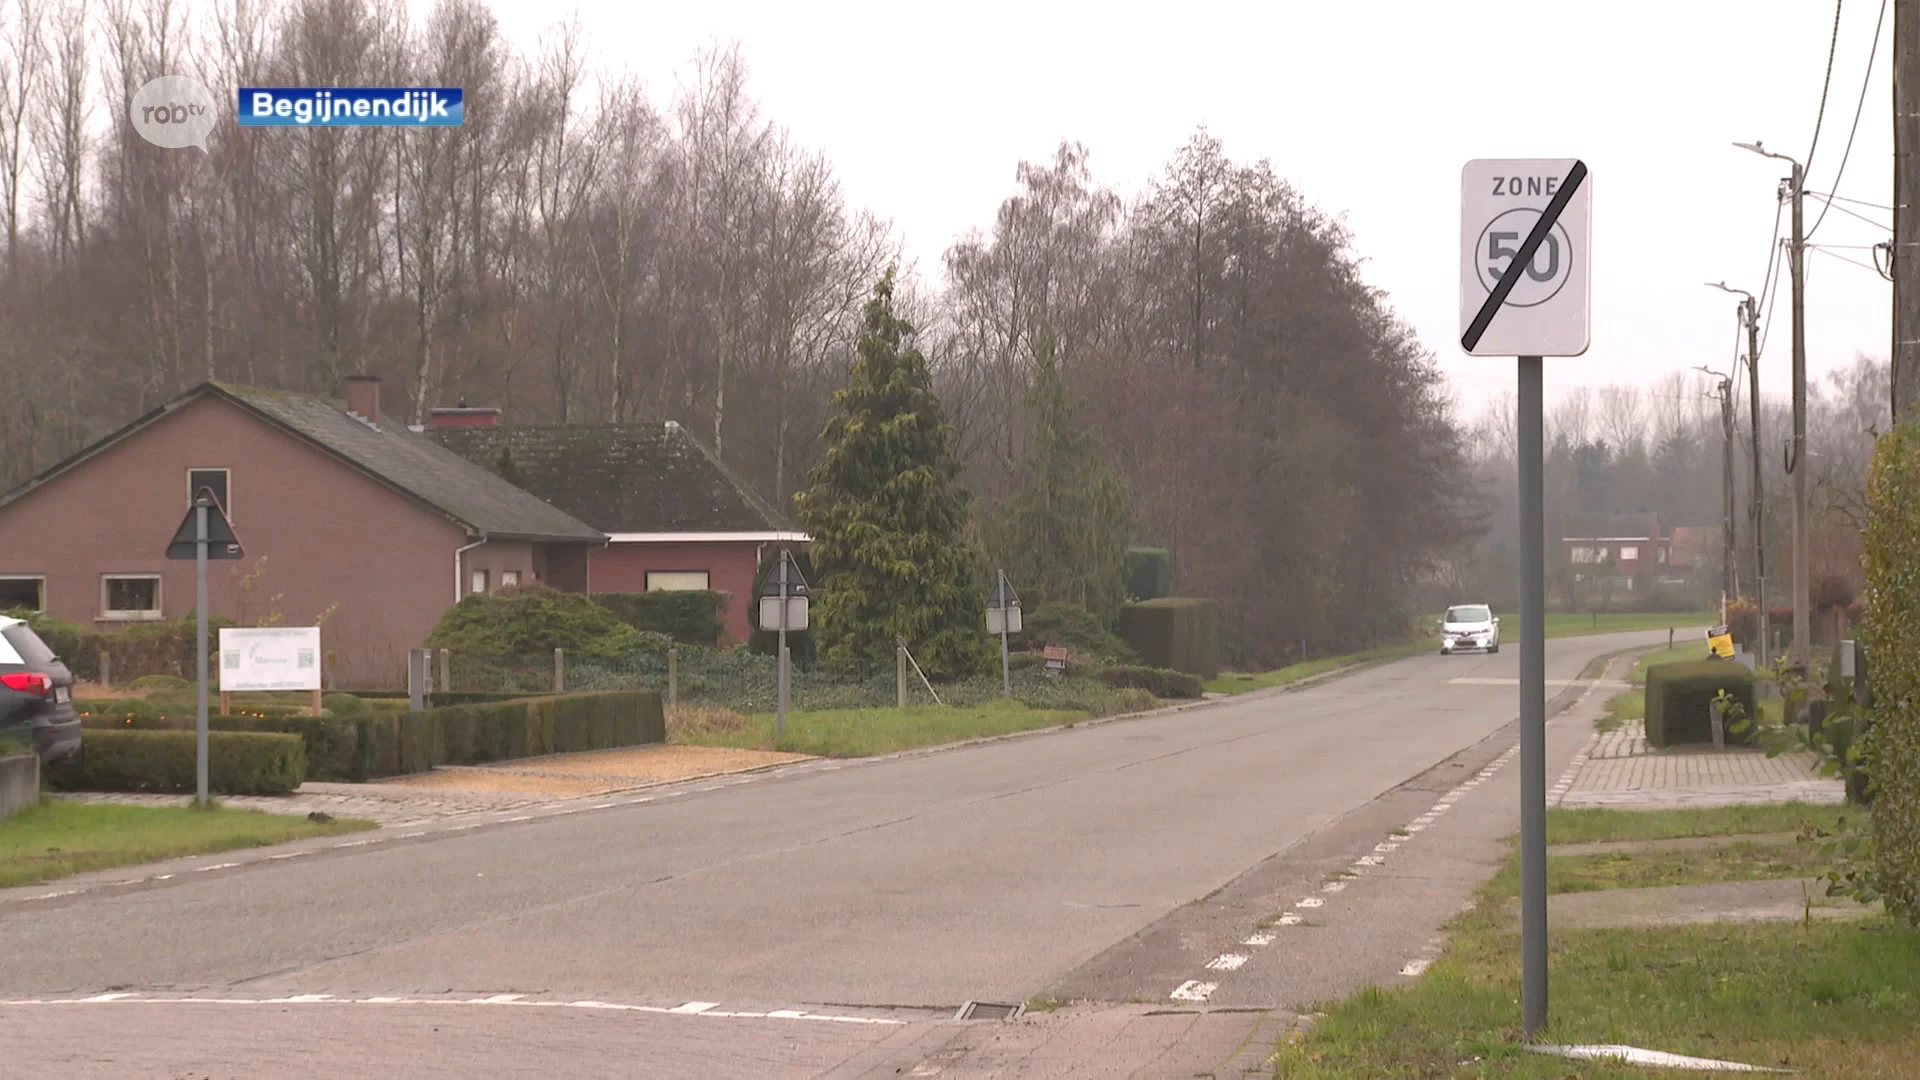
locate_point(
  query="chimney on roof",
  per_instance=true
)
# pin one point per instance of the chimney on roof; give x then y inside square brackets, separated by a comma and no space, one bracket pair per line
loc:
[363,398]
[462,415]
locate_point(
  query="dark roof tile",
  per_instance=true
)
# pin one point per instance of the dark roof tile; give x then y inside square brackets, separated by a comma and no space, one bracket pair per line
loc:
[622,478]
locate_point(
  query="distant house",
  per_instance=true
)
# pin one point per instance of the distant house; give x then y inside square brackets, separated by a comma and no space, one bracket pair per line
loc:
[356,517]
[675,517]
[1694,547]
[1612,545]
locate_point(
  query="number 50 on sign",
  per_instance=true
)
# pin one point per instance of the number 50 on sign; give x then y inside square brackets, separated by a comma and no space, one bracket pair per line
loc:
[1549,311]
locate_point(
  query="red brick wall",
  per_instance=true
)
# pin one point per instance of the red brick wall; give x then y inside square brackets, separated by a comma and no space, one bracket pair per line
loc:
[333,540]
[730,566]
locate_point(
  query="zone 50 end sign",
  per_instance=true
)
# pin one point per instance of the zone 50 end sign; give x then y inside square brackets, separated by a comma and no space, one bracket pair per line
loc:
[1526,229]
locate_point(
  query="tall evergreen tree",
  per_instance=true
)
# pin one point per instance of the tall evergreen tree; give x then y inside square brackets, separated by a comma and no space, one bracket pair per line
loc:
[887,517]
[1063,536]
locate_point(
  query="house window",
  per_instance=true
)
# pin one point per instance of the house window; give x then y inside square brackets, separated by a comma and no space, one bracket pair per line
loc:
[509,579]
[1629,553]
[130,596]
[214,480]
[676,580]
[479,581]
[1584,554]
[23,592]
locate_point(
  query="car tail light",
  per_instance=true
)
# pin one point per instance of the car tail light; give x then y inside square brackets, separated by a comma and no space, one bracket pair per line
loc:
[27,682]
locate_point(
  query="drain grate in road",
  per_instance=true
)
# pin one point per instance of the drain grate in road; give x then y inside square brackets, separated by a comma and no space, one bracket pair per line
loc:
[989,1010]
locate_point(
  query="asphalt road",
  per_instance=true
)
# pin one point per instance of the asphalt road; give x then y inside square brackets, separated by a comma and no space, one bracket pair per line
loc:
[991,872]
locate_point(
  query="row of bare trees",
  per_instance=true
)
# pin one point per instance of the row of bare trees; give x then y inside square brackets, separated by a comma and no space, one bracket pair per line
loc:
[1659,450]
[574,253]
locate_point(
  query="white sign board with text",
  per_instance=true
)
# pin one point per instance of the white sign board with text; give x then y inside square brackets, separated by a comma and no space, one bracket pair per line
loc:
[1549,311]
[269,658]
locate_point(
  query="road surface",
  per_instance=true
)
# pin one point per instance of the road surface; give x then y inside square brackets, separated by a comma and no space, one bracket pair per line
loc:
[1108,863]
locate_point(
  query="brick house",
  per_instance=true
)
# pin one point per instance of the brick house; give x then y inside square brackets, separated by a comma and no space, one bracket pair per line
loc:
[1612,545]
[343,513]
[674,515]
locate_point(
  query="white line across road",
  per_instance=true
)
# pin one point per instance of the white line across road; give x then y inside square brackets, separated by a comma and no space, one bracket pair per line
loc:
[691,1008]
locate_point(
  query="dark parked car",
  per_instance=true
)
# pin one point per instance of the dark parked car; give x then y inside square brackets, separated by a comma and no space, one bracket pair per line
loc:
[36,692]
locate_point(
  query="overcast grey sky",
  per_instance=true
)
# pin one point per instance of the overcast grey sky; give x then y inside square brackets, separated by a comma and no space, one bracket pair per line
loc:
[1369,109]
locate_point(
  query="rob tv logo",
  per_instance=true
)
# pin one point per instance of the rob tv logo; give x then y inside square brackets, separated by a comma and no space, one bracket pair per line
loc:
[174,111]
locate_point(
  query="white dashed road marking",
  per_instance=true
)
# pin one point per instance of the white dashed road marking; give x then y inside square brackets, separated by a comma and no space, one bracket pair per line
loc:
[691,1008]
[1226,962]
[1194,990]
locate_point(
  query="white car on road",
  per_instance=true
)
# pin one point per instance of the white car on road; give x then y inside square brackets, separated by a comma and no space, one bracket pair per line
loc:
[1469,626]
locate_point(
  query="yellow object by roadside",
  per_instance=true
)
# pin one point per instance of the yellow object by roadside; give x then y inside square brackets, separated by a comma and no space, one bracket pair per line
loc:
[1720,642]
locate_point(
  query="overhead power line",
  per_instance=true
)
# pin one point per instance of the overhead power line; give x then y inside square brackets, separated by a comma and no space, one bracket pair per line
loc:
[1819,119]
[1873,54]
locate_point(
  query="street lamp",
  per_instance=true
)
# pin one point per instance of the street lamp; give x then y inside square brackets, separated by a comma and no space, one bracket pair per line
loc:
[1749,314]
[1003,618]
[1796,255]
[783,607]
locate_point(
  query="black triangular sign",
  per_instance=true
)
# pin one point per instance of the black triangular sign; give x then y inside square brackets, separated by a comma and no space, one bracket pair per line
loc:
[221,543]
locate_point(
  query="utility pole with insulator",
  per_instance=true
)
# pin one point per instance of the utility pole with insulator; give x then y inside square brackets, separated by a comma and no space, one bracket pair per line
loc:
[1748,312]
[1795,188]
[1905,257]
[1729,584]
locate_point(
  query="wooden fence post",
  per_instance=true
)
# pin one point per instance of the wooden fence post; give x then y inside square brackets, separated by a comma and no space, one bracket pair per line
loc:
[673,676]
[446,670]
[559,671]
[106,668]
[900,676]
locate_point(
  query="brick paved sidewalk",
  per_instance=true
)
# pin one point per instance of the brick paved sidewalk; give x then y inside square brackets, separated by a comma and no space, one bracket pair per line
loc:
[1619,769]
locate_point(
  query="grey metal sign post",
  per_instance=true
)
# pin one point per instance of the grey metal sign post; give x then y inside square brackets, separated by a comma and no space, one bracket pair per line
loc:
[1540,295]
[783,607]
[204,534]
[1003,618]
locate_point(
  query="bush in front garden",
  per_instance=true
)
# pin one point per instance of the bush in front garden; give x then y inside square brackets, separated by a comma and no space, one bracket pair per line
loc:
[1160,682]
[238,763]
[1680,700]
[1890,547]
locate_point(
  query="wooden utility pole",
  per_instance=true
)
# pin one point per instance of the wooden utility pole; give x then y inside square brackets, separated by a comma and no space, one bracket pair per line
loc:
[1796,266]
[1905,257]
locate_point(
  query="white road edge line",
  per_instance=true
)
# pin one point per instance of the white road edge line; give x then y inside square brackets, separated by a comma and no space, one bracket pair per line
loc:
[1194,990]
[691,1008]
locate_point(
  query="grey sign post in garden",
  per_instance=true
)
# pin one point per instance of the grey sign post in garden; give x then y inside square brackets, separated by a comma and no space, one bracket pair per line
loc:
[204,534]
[1003,618]
[783,607]
[1526,250]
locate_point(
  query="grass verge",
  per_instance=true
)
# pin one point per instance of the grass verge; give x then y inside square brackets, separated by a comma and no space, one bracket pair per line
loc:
[1827,999]
[59,838]
[1240,683]
[859,732]
[1598,826]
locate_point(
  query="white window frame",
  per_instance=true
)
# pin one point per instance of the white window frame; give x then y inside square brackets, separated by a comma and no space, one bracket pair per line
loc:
[40,578]
[477,581]
[509,579]
[1630,553]
[705,576]
[107,614]
[227,505]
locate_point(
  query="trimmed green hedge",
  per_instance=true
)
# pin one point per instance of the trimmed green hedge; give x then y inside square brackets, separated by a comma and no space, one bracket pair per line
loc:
[397,744]
[1149,572]
[1182,633]
[238,763]
[1160,682]
[691,616]
[1680,698]
[1890,555]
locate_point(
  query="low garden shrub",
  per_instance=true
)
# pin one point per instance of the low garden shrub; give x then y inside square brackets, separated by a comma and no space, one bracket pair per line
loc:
[401,743]
[692,617]
[1680,698]
[1161,682]
[238,763]
[1074,628]
[532,622]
